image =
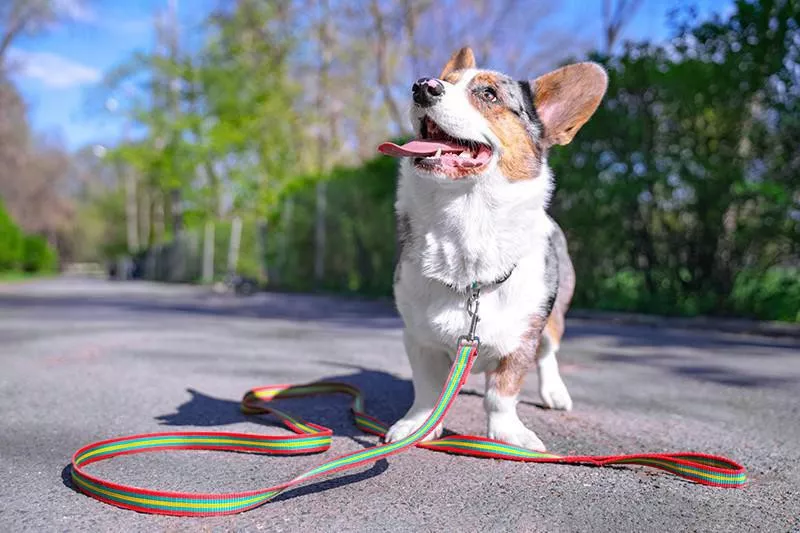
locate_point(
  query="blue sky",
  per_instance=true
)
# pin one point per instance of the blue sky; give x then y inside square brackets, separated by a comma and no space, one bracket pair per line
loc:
[57,70]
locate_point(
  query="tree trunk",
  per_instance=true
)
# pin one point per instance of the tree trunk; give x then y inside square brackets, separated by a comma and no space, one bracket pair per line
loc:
[286,238]
[323,145]
[381,52]
[176,208]
[145,218]
[615,18]
[131,210]
[208,253]
[158,218]
[233,247]
[262,229]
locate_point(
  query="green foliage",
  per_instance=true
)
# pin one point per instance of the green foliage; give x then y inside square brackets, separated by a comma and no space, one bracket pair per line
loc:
[249,262]
[31,253]
[360,231]
[680,196]
[621,292]
[105,220]
[683,179]
[38,255]
[772,295]
[218,121]
[10,242]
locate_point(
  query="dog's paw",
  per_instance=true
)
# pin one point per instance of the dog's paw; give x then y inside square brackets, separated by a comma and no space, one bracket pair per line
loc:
[406,426]
[554,393]
[512,431]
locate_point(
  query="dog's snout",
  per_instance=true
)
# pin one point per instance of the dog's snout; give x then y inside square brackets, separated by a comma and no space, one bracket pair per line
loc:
[427,91]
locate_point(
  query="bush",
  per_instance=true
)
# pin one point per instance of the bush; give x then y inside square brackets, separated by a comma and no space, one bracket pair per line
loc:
[38,255]
[360,231]
[10,242]
[770,295]
[623,291]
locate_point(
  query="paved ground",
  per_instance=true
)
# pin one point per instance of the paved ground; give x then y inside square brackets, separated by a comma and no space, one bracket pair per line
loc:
[85,360]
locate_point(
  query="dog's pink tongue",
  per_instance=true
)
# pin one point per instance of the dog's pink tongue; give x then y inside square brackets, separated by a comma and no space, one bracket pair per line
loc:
[418,148]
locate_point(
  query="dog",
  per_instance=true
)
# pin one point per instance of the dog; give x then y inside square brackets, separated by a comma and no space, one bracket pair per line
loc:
[471,204]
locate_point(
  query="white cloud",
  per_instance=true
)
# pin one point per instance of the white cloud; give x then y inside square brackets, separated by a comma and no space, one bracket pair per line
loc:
[52,70]
[76,10]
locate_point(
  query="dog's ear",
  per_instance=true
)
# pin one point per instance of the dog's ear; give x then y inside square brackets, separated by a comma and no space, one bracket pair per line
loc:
[565,99]
[460,60]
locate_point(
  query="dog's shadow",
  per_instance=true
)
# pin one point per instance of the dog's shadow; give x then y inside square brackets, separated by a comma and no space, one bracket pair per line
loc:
[522,401]
[386,396]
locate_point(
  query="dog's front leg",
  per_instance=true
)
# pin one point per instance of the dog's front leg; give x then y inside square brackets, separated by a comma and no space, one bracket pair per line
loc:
[429,371]
[502,388]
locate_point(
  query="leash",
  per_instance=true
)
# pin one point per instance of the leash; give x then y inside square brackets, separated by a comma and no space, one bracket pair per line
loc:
[312,438]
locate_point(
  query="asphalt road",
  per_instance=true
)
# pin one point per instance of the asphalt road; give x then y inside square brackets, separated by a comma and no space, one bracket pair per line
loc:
[83,360]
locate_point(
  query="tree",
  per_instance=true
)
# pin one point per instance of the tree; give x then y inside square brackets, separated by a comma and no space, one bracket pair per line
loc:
[19,17]
[10,242]
[615,16]
[219,120]
[665,191]
[31,167]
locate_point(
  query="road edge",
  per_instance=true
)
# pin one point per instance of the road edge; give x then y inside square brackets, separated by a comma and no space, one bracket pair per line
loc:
[726,325]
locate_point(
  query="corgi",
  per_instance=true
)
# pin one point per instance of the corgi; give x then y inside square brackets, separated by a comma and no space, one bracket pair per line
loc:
[471,204]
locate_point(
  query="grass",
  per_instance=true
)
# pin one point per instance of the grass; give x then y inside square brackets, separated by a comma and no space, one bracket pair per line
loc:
[18,277]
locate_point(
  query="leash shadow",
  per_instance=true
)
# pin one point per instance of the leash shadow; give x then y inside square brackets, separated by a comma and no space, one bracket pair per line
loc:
[66,477]
[378,468]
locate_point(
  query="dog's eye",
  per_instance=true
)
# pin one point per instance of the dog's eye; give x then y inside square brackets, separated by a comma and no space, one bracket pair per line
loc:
[488,94]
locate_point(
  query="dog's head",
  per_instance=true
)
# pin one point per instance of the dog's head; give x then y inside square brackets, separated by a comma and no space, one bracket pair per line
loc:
[470,122]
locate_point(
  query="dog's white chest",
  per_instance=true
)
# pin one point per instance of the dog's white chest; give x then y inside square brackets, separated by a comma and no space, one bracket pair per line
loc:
[459,232]
[436,316]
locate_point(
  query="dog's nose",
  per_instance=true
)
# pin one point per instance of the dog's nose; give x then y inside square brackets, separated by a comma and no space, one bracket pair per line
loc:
[427,91]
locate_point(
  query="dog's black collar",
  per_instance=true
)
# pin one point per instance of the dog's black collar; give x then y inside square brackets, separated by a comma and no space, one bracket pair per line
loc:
[480,285]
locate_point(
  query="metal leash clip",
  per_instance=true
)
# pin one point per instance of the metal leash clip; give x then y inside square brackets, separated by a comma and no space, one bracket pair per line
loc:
[473,302]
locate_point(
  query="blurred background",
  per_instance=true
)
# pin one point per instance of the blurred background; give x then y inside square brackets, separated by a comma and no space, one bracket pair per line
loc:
[183,141]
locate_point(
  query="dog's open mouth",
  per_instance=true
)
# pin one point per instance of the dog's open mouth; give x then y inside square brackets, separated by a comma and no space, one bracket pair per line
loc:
[436,151]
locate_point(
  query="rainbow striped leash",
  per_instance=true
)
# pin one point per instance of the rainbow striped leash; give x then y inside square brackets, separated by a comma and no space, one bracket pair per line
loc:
[313,438]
